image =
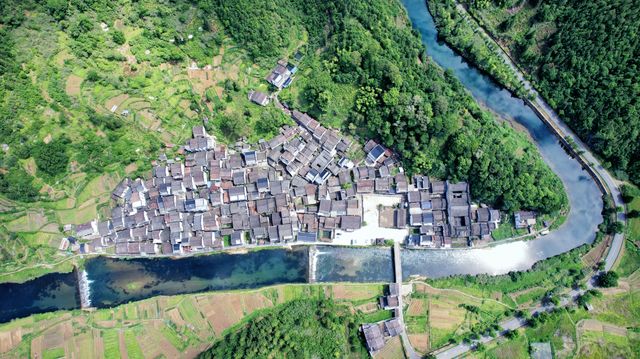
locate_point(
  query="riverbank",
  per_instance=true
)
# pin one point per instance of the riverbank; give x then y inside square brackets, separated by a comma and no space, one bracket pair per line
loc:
[570,142]
[457,29]
[176,326]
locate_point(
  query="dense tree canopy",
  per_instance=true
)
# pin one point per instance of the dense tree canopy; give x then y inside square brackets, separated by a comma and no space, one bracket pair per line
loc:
[587,68]
[401,97]
[51,158]
[299,329]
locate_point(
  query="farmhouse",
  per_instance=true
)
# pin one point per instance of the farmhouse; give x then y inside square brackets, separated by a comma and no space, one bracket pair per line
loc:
[299,186]
[258,97]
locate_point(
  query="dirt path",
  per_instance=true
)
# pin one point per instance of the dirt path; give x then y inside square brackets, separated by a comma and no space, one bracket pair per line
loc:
[45,265]
[435,290]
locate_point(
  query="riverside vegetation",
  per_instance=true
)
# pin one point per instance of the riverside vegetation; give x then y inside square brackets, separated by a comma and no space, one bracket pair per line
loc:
[460,31]
[105,87]
[366,70]
[583,58]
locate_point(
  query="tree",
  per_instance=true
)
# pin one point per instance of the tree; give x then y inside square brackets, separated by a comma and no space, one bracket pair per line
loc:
[615,227]
[18,185]
[57,8]
[629,192]
[118,37]
[511,334]
[52,158]
[607,279]
[233,126]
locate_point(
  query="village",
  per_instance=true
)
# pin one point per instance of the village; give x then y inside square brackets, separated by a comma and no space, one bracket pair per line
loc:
[300,187]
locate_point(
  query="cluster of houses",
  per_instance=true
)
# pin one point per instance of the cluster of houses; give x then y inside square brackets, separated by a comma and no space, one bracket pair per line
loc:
[299,186]
[377,334]
[280,77]
[442,213]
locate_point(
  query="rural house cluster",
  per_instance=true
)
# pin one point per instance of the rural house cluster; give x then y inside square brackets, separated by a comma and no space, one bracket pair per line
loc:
[299,186]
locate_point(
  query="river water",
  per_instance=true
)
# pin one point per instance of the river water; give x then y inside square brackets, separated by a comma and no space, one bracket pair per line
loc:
[355,264]
[55,291]
[116,281]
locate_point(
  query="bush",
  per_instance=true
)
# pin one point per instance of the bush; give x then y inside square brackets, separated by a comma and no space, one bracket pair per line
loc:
[52,158]
[607,279]
[118,37]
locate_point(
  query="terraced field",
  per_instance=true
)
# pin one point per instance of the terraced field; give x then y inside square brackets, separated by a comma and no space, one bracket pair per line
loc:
[176,327]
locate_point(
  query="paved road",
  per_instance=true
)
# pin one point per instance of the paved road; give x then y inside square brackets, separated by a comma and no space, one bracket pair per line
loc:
[605,176]
[397,268]
[543,107]
[513,323]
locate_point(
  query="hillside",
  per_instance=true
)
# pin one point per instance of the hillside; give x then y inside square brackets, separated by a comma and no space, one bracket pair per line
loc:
[583,57]
[92,91]
[370,75]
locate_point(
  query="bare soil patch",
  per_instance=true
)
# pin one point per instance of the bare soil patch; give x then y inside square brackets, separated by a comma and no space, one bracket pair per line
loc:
[351,292]
[36,347]
[72,87]
[130,168]
[9,340]
[593,256]
[416,307]
[123,346]
[368,307]
[222,311]
[255,302]
[98,344]
[445,315]
[392,350]
[149,120]
[598,326]
[623,287]
[386,217]
[174,315]
[115,101]
[420,342]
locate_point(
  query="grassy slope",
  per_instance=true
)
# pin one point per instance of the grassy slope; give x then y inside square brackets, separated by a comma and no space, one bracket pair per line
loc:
[158,96]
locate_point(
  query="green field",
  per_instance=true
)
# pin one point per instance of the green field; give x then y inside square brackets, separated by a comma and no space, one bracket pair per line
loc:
[171,326]
[78,78]
[111,339]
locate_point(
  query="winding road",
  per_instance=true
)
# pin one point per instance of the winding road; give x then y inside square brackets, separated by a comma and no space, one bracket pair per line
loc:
[562,130]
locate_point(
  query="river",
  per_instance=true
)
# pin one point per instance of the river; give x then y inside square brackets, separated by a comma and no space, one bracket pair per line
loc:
[115,281]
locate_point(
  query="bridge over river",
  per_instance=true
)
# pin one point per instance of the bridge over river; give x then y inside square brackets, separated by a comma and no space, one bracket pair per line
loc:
[114,281]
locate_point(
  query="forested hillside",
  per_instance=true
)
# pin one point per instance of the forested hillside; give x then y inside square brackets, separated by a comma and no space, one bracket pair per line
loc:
[584,58]
[299,329]
[369,54]
[106,86]
[92,91]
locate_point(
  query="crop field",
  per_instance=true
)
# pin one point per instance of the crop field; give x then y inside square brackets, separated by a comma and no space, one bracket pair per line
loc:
[176,327]
[356,292]
[434,315]
[117,105]
[605,341]
[392,350]
[36,228]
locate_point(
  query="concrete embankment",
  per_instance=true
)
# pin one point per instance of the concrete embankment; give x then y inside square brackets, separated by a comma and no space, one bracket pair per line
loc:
[313,251]
[84,290]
